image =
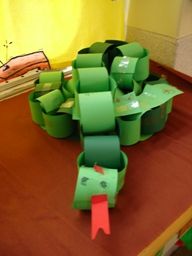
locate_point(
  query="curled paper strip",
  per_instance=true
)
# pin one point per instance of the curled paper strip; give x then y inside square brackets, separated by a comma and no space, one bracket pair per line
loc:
[88,60]
[123,70]
[90,183]
[51,77]
[121,172]
[102,150]
[88,84]
[36,110]
[96,112]
[51,101]
[59,125]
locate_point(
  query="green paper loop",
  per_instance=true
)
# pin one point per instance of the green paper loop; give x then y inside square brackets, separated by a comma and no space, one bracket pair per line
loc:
[142,67]
[51,76]
[36,111]
[122,70]
[59,125]
[105,49]
[93,80]
[121,172]
[103,151]
[90,182]
[154,120]
[169,104]
[88,60]
[43,88]
[133,49]
[137,51]
[51,101]
[96,112]
[99,47]
[129,129]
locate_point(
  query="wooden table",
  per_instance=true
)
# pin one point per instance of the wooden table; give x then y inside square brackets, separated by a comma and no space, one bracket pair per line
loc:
[38,176]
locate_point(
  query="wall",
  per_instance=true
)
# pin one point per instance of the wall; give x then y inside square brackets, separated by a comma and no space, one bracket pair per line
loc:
[165,28]
[59,27]
[183,57]
[158,16]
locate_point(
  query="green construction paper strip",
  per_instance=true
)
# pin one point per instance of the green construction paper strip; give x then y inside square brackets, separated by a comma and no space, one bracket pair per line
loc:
[76,109]
[71,84]
[96,112]
[51,76]
[156,95]
[169,105]
[44,88]
[154,120]
[124,65]
[122,171]
[90,182]
[67,94]
[36,110]
[137,51]
[127,104]
[187,239]
[51,101]
[115,42]
[93,79]
[84,50]
[89,60]
[132,50]
[103,151]
[118,94]
[99,47]
[48,86]
[59,125]
[129,130]
[142,67]
[105,49]
[122,70]
[67,106]
[137,87]
[145,137]
[112,86]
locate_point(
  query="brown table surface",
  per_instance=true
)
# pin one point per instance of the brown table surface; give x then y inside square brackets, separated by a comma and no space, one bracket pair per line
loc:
[38,176]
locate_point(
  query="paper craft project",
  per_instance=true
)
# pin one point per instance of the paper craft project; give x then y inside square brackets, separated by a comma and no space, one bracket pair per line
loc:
[90,183]
[116,101]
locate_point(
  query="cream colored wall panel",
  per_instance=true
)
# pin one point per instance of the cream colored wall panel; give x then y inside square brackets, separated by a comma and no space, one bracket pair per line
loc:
[162,48]
[183,57]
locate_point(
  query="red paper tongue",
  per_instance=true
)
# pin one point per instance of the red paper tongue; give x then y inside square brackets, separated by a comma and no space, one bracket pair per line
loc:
[99,215]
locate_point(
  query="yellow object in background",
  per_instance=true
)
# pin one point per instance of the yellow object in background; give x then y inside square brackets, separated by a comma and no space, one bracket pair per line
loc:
[60,28]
